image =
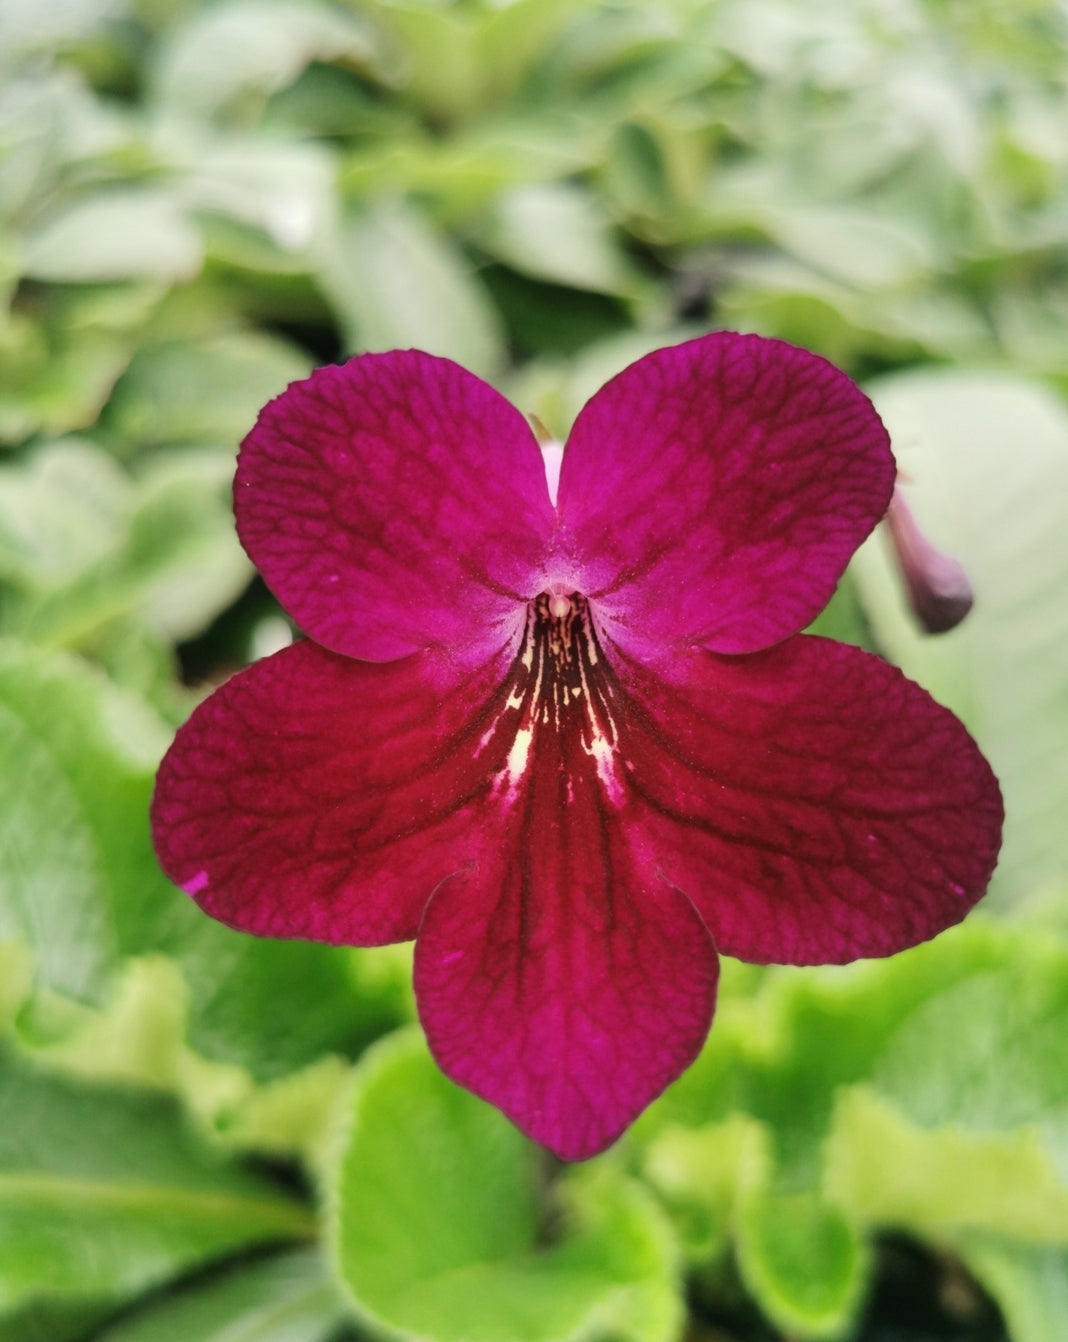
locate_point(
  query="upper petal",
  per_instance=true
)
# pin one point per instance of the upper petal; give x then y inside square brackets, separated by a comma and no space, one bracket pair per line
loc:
[395,502]
[315,796]
[713,492]
[815,804]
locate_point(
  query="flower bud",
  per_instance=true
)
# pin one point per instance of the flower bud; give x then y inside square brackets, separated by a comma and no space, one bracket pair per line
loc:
[939,592]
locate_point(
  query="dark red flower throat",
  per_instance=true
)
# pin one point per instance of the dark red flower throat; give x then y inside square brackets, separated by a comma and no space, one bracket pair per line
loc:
[562,682]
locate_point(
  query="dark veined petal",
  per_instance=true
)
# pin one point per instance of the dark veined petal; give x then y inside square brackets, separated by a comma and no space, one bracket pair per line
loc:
[558,974]
[713,492]
[315,796]
[814,804]
[561,977]
[562,982]
[394,503]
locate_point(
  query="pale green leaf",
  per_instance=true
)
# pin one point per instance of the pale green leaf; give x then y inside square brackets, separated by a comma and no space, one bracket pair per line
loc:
[283,190]
[103,1193]
[436,47]
[60,509]
[396,282]
[286,1298]
[512,37]
[119,234]
[239,49]
[990,997]
[75,769]
[699,1172]
[985,462]
[803,1259]
[891,1172]
[990,1052]
[465,1264]
[28,29]
[80,885]
[1029,1283]
[556,232]
[862,247]
[175,565]
[205,392]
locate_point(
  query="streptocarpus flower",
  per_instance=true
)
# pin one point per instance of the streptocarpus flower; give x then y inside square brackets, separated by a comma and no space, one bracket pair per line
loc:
[570,738]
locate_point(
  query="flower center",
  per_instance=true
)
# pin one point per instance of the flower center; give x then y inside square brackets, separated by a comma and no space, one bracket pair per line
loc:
[564,693]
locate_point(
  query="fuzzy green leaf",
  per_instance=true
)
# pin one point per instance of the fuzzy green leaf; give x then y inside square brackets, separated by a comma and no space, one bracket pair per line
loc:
[395,281]
[286,1298]
[462,1263]
[123,234]
[103,1193]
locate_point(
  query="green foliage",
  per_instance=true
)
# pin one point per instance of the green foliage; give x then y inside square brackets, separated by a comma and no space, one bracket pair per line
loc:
[397,283]
[470,1264]
[201,200]
[926,1092]
[103,1194]
[285,1298]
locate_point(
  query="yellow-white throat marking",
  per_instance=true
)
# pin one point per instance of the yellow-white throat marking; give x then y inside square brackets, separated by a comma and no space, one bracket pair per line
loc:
[558,684]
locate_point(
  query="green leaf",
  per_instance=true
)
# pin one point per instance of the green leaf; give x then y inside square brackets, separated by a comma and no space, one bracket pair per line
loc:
[990,1052]
[1029,1283]
[803,1260]
[396,282]
[230,53]
[842,618]
[698,1173]
[783,1055]
[49,1321]
[140,1038]
[277,196]
[465,173]
[466,1263]
[65,385]
[74,785]
[60,509]
[777,296]
[511,38]
[286,1298]
[175,566]
[103,1193]
[80,885]
[558,232]
[891,1172]
[16,976]
[123,233]
[864,247]
[292,1116]
[26,30]
[207,392]
[985,457]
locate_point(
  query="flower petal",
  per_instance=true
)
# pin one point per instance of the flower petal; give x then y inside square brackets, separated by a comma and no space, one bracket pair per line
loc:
[561,979]
[713,492]
[393,503]
[813,803]
[315,796]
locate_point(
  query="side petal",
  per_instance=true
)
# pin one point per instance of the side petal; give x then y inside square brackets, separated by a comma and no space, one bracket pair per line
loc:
[714,491]
[815,804]
[559,979]
[314,796]
[393,503]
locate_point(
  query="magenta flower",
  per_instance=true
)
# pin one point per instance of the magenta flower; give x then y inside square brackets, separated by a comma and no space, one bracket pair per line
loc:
[571,739]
